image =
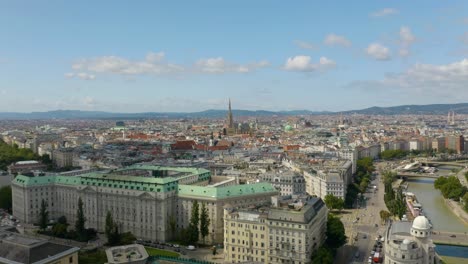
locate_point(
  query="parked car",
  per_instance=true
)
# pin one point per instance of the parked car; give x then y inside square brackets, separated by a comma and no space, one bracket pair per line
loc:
[190,247]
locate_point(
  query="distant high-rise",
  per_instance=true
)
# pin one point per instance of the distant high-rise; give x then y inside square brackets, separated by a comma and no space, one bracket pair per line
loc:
[230,121]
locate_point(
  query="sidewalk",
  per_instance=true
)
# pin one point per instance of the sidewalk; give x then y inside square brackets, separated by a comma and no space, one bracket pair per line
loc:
[457,210]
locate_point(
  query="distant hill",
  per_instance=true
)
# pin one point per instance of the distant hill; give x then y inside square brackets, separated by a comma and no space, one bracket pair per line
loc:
[77,114]
[431,109]
[436,109]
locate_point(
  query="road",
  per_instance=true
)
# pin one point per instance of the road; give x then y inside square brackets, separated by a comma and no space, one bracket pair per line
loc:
[450,238]
[369,216]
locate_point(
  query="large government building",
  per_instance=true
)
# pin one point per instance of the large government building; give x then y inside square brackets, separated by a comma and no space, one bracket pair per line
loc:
[141,198]
[285,231]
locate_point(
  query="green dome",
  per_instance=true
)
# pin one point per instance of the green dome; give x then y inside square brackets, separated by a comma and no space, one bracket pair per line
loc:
[288,128]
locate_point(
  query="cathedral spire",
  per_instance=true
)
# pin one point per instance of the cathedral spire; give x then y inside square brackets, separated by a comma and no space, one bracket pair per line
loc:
[230,121]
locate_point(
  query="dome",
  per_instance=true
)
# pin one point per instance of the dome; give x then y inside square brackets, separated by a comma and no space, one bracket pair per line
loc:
[421,223]
[406,241]
[288,128]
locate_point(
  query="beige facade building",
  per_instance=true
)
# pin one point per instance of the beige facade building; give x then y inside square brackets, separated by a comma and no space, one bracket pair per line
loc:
[141,199]
[332,177]
[280,232]
[63,158]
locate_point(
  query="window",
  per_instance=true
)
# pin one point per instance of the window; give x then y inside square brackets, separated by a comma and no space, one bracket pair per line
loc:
[70,260]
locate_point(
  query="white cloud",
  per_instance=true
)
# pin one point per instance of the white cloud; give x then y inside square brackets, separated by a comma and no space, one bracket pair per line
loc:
[333,39]
[324,61]
[385,12]
[303,63]
[446,80]
[89,101]
[80,75]
[220,65]
[152,64]
[406,39]
[378,51]
[305,45]
[155,64]
[406,36]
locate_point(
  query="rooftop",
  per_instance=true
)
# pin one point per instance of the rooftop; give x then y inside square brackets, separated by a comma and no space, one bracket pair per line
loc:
[17,248]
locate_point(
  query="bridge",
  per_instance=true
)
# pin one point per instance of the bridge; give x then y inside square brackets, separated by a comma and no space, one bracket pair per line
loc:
[450,238]
[448,163]
[425,175]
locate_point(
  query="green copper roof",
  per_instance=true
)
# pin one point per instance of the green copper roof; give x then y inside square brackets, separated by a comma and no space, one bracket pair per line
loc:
[224,192]
[44,180]
[156,168]
[127,178]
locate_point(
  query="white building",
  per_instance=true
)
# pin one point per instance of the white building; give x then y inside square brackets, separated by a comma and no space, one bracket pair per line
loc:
[410,243]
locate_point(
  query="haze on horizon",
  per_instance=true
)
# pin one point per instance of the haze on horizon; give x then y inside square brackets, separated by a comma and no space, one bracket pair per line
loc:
[185,56]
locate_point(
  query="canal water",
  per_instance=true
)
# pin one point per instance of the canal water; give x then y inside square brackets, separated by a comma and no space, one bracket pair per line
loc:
[436,210]
[433,203]
[434,206]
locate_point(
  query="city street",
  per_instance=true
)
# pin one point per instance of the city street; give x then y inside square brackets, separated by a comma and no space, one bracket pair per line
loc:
[365,228]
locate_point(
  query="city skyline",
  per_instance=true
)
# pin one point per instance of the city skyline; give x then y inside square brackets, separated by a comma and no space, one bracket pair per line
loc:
[156,57]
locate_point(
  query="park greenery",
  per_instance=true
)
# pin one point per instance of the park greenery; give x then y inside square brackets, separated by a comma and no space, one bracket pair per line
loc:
[12,153]
[335,238]
[450,187]
[60,228]
[92,256]
[394,199]
[364,169]
[393,154]
[333,202]
[114,237]
[6,202]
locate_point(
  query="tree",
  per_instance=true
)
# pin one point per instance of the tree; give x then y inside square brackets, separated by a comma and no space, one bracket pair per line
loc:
[80,219]
[385,215]
[335,232]
[194,222]
[6,198]
[43,215]
[62,220]
[109,228]
[59,230]
[333,202]
[322,256]
[126,238]
[204,222]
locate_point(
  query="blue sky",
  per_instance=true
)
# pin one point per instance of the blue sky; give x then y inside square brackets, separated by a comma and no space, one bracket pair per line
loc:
[127,56]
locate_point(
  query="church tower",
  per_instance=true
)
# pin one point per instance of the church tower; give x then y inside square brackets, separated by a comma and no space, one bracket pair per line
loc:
[230,121]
